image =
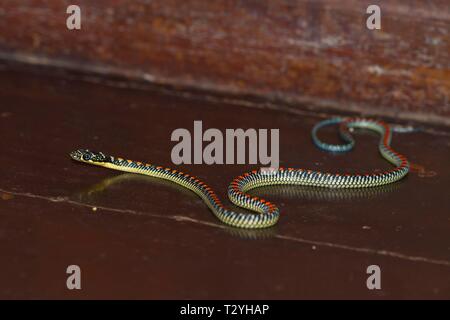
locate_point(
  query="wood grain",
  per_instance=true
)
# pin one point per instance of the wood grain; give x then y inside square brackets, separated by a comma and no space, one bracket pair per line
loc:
[313,53]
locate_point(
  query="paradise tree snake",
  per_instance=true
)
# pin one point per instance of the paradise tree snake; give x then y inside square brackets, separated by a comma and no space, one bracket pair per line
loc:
[267,213]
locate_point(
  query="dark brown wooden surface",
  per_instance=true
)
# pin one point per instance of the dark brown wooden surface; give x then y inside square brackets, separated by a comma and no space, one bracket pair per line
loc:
[305,53]
[149,239]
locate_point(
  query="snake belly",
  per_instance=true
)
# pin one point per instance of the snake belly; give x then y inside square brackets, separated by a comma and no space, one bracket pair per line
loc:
[266,213]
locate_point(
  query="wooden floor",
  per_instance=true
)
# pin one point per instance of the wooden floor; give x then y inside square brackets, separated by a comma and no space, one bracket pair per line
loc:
[136,237]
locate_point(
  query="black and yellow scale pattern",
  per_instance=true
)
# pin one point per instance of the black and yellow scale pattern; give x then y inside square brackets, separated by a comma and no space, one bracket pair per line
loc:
[266,213]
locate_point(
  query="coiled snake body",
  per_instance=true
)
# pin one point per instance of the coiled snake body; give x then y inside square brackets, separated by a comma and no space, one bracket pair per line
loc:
[267,214]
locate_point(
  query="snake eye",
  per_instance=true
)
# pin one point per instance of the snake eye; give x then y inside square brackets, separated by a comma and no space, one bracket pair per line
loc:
[86,157]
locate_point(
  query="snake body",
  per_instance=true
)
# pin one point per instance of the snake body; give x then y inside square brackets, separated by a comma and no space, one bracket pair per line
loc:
[267,213]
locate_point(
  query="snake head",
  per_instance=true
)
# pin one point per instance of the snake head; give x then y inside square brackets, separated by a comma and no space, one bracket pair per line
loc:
[85,155]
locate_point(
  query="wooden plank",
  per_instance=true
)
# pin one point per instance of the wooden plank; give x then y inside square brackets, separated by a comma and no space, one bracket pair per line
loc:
[137,237]
[315,53]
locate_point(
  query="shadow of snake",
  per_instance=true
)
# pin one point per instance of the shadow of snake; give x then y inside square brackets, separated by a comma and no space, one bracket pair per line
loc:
[279,191]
